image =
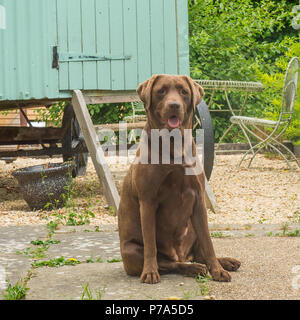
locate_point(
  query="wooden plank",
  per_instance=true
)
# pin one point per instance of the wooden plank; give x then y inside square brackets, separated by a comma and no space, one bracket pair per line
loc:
[170,37]
[116,127]
[95,150]
[130,44]
[75,43]
[182,37]
[210,199]
[62,33]
[144,40]
[90,77]
[103,44]
[30,134]
[111,98]
[117,44]
[157,36]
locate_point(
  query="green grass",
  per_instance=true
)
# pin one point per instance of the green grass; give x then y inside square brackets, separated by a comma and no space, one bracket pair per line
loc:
[87,293]
[56,262]
[92,260]
[44,243]
[16,292]
[113,260]
[218,234]
[295,233]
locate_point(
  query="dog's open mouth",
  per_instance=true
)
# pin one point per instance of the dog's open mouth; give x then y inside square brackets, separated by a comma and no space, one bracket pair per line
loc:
[173,122]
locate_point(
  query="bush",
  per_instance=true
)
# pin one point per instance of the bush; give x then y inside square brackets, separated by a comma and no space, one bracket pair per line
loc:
[232,40]
[273,92]
[109,113]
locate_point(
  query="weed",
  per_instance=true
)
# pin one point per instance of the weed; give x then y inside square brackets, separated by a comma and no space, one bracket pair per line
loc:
[261,221]
[296,216]
[188,295]
[218,234]
[44,243]
[36,253]
[112,211]
[56,262]
[295,233]
[113,260]
[88,295]
[39,251]
[249,235]
[202,280]
[16,292]
[52,226]
[92,260]
[284,228]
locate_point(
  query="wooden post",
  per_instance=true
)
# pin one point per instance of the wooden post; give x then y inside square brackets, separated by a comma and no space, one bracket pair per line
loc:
[210,199]
[95,150]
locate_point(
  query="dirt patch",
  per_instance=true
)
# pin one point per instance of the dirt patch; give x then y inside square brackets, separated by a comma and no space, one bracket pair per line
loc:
[265,193]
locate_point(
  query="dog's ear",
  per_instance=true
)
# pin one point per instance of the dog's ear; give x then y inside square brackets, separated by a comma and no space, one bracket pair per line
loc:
[197,92]
[144,91]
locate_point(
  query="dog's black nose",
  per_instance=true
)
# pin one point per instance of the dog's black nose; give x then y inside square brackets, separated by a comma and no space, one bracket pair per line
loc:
[174,105]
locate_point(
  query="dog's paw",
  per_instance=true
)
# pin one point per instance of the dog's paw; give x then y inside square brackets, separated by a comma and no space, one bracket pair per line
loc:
[229,264]
[192,270]
[220,275]
[150,277]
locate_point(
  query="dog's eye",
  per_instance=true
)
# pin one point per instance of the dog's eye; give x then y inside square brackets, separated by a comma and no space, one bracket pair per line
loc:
[161,91]
[183,92]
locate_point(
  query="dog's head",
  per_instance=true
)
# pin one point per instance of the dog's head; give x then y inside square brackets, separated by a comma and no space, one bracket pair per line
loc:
[170,101]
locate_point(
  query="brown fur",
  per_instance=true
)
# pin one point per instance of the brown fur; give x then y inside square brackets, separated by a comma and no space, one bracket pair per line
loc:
[162,215]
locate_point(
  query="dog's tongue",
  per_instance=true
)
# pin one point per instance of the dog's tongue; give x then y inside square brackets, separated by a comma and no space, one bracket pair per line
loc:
[173,122]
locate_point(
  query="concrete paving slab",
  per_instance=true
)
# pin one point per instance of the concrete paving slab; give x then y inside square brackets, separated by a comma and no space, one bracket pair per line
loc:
[67,283]
[270,265]
[84,245]
[270,268]
[14,267]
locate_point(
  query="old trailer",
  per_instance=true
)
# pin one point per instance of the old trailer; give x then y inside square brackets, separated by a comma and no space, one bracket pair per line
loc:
[104,48]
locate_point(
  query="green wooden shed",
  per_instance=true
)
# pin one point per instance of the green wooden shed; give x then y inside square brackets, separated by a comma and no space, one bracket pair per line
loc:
[48,48]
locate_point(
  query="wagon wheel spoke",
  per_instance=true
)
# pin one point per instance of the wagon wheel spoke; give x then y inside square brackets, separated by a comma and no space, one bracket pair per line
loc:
[71,140]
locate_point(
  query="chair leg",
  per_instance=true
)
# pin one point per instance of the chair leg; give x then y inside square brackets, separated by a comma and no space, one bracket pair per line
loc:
[282,155]
[254,155]
[245,155]
[288,151]
[223,136]
[247,137]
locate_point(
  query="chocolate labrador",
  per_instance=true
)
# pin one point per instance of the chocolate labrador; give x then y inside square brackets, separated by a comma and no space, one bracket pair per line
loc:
[162,216]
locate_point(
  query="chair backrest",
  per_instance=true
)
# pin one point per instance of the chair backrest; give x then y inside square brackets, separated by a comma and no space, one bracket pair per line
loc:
[290,89]
[137,107]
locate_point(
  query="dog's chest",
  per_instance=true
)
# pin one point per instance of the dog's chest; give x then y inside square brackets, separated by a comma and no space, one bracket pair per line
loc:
[176,202]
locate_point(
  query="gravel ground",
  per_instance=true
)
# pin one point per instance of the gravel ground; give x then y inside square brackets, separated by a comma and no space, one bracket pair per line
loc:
[265,193]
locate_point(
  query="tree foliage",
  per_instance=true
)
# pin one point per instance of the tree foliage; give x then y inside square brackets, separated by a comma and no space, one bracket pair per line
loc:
[243,40]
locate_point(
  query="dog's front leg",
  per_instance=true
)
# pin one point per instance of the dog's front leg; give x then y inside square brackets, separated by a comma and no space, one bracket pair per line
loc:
[205,252]
[148,222]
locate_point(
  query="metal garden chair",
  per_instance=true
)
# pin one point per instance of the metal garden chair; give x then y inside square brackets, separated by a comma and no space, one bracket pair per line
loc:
[271,139]
[138,116]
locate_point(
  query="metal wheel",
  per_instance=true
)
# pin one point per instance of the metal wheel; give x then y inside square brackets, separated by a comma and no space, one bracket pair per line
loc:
[71,139]
[202,120]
